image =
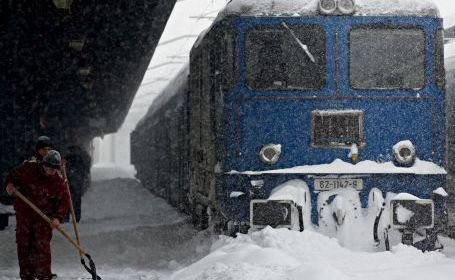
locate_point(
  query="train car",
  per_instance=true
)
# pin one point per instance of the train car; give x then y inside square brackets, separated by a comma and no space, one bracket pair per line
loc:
[159,144]
[309,114]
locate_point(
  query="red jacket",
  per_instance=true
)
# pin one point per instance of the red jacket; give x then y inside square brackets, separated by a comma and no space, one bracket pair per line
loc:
[48,193]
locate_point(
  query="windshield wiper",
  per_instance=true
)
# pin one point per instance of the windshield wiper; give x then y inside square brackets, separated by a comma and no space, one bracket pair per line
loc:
[302,45]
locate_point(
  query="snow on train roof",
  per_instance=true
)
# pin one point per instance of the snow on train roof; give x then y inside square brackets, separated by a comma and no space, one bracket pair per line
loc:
[257,8]
[174,87]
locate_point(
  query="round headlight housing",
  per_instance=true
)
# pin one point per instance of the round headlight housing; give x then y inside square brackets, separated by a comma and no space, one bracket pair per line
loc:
[404,153]
[346,6]
[327,6]
[270,153]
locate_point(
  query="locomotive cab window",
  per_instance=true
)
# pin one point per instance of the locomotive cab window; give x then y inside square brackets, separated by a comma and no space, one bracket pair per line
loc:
[387,58]
[285,57]
[336,128]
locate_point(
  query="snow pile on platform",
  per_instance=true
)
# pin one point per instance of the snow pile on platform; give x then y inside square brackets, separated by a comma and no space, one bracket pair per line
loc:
[283,254]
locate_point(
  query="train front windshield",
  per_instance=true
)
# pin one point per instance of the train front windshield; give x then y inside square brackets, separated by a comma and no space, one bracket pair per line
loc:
[387,58]
[293,57]
[275,58]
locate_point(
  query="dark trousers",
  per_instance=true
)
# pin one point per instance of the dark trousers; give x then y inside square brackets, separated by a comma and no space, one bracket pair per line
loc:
[75,185]
[33,239]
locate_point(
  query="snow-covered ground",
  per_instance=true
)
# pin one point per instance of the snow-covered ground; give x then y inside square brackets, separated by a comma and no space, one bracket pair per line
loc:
[131,234]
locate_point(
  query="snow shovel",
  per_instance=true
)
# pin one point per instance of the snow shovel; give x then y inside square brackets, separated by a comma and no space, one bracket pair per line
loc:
[91,268]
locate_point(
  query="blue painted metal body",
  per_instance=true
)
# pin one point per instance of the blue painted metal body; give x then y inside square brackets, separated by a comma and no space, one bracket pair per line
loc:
[255,118]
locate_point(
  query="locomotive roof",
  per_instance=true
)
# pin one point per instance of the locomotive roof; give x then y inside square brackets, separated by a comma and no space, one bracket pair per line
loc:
[258,8]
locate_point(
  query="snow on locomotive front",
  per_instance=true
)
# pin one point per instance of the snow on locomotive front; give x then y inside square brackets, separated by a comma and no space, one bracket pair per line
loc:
[332,118]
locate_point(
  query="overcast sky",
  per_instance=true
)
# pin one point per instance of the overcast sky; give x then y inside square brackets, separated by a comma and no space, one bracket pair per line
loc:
[446,7]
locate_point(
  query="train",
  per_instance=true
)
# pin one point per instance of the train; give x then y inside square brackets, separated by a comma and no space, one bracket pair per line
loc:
[307,114]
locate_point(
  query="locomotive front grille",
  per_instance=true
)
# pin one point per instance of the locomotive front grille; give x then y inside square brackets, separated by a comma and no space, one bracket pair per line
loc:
[336,128]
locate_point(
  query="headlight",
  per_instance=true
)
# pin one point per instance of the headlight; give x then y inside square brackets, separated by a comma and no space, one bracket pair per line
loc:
[270,153]
[327,6]
[346,6]
[336,7]
[404,153]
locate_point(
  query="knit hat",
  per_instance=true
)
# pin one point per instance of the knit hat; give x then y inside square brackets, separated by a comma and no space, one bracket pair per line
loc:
[52,159]
[42,142]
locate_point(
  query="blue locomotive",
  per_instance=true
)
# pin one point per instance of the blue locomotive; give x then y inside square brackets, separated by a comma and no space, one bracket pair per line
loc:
[321,114]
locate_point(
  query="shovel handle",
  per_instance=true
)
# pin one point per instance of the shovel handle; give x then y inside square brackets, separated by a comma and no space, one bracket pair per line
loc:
[47,219]
[73,215]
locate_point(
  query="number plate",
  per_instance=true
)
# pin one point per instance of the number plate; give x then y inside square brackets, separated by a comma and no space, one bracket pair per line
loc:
[333,184]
